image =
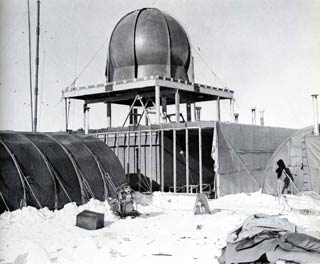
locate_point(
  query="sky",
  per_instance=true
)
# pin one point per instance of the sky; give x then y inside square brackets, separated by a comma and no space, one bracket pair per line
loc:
[268,52]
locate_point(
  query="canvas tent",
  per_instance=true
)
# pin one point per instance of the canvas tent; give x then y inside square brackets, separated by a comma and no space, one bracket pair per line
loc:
[301,154]
[234,156]
[242,153]
[52,169]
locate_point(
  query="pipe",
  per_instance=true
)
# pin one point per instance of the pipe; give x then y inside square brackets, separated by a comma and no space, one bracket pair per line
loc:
[198,113]
[236,118]
[315,114]
[262,117]
[253,115]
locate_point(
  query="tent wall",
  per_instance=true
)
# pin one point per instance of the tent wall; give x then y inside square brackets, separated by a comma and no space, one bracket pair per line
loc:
[301,154]
[243,153]
[52,169]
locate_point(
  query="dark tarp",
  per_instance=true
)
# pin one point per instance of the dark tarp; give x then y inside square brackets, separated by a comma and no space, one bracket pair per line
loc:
[52,169]
[243,152]
[301,154]
[207,162]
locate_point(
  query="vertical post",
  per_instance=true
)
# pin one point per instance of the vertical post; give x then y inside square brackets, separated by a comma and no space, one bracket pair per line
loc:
[157,101]
[315,114]
[236,117]
[30,68]
[108,110]
[139,162]
[177,104]
[200,160]
[198,113]
[188,109]
[66,112]
[187,160]
[117,144]
[253,114]
[36,88]
[218,109]
[262,117]
[128,154]
[174,161]
[231,110]
[164,108]
[86,118]
[150,164]
[194,111]
[216,163]
[162,161]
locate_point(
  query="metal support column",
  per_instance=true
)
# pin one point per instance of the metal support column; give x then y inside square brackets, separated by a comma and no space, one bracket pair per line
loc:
[187,160]
[164,108]
[177,104]
[188,110]
[128,154]
[66,112]
[139,161]
[218,109]
[231,110]
[162,161]
[150,164]
[174,161]
[86,118]
[108,109]
[200,160]
[157,101]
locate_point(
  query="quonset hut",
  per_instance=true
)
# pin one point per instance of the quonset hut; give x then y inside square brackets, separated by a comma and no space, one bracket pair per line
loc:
[52,169]
[149,67]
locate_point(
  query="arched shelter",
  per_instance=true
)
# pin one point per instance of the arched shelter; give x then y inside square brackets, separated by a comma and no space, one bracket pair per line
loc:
[301,154]
[52,169]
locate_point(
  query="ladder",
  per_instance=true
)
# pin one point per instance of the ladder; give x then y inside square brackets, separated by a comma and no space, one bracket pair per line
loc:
[307,185]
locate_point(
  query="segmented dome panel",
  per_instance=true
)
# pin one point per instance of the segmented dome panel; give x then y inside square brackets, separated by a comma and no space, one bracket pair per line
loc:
[148,42]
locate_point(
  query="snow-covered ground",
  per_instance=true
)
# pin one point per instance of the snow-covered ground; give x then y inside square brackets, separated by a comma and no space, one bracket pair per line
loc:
[166,232]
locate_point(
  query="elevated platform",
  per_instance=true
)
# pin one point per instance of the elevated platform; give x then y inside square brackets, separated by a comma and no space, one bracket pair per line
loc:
[125,91]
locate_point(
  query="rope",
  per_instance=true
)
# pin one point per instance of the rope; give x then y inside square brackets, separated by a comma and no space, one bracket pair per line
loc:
[208,66]
[88,64]
[4,201]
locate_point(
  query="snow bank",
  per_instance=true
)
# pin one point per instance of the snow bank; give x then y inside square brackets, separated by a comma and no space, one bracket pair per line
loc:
[167,230]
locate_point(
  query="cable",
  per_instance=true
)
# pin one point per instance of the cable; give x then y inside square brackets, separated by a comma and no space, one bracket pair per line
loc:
[208,66]
[88,64]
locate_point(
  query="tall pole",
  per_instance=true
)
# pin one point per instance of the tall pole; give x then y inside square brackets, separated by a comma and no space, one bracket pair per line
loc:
[36,88]
[30,69]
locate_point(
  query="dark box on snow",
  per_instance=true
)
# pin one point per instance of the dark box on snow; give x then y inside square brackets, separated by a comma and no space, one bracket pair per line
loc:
[90,220]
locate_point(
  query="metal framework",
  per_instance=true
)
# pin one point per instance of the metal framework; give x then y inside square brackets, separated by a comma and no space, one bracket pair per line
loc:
[153,92]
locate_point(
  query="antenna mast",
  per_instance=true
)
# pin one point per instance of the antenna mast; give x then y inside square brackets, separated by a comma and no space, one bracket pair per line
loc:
[36,88]
[30,70]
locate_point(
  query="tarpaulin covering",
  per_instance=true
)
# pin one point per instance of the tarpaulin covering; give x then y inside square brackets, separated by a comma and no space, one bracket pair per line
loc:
[52,169]
[207,162]
[301,154]
[269,239]
[242,152]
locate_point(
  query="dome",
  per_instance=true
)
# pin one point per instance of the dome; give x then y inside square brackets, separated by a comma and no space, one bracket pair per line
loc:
[148,42]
